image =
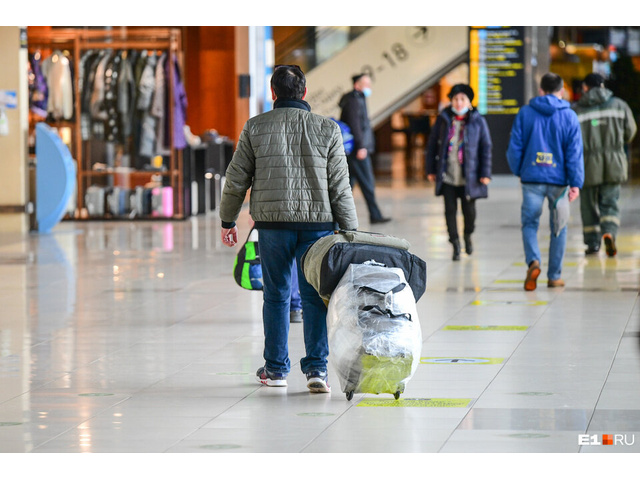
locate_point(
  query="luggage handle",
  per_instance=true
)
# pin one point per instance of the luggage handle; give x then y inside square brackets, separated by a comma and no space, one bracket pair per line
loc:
[396,289]
[377,309]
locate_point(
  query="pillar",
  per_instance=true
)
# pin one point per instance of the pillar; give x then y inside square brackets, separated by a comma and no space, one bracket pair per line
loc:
[14,180]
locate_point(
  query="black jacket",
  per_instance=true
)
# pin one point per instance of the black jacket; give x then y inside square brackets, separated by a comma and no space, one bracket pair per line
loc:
[477,152]
[354,113]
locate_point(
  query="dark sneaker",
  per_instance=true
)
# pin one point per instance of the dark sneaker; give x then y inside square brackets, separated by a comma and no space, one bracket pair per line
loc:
[271,379]
[591,249]
[610,243]
[295,316]
[531,282]
[318,382]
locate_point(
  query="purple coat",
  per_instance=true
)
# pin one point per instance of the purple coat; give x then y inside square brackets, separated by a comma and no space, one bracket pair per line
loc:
[179,106]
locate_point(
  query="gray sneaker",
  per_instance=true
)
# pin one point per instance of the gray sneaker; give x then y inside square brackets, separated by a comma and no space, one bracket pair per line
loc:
[318,382]
[295,316]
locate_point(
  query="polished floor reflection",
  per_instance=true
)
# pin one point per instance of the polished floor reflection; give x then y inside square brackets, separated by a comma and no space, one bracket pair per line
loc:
[133,337]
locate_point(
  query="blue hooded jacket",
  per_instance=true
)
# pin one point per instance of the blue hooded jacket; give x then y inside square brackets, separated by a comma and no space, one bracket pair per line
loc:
[546,143]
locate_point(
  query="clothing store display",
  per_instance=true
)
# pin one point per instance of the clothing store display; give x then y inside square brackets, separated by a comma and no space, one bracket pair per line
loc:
[123,94]
[125,111]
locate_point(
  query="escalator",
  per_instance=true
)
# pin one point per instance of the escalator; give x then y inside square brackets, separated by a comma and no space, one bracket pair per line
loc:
[402,63]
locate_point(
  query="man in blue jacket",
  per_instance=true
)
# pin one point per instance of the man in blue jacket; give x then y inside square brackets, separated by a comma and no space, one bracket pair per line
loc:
[545,151]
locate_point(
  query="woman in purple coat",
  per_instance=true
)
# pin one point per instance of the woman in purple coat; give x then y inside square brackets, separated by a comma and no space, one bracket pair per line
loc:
[459,161]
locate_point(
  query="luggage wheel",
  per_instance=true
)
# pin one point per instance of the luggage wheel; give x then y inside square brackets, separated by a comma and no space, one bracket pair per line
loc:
[396,395]
[349,395]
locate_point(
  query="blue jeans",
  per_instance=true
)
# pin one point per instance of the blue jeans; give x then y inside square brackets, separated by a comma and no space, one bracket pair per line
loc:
[278,250]
[296,301]
[533,195]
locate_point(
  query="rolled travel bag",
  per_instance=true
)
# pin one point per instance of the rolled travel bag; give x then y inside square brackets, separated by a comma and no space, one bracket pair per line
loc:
[374,332]
[325,262]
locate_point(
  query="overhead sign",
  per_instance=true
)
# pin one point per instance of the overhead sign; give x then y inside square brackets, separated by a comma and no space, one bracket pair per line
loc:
[496,69]
[497,75]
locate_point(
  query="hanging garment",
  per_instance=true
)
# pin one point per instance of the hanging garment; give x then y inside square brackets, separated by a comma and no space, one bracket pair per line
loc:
[159,105]
[146,88]
[126,89]
[97,93]
[179,108]
[86,77]
[38,91]
[57,71]
[112,124]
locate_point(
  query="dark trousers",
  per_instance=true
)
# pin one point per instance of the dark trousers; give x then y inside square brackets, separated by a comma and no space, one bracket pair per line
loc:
[361,172]
[600,212]
[451,195]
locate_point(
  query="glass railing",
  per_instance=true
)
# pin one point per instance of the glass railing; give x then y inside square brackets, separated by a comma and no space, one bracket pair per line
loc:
[308,47]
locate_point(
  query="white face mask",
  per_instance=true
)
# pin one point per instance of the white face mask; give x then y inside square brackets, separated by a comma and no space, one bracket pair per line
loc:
[366,92]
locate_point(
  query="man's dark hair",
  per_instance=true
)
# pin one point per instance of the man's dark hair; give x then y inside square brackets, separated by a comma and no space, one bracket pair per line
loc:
[357,77]
[551,83]
[288,81]
[594,80]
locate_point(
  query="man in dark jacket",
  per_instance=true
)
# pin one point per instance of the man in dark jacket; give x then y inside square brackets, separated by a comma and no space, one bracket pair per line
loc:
[607,125]
[354,114]
[294,163]
[545,151]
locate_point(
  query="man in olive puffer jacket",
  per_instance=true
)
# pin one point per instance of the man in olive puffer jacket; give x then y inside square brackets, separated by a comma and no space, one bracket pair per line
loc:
[607,125]
[294,162]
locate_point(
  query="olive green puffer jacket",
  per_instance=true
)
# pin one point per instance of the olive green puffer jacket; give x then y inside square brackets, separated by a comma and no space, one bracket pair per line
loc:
[607,124]
[294,162]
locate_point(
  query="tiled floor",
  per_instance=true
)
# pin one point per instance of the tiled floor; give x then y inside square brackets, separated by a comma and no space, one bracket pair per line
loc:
[133,337]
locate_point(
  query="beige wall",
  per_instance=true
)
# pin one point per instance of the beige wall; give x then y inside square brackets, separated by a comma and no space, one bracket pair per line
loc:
[13,148]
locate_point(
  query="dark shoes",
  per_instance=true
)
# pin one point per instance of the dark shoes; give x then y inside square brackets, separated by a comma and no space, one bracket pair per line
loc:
[456,250]
[468,246]
[457,247]
[380,220]
[318,382]
[271,379]
[591,249]
[610,244]
[531,282]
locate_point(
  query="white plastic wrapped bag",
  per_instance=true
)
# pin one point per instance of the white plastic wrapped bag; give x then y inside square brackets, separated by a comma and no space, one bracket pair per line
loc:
[375,340]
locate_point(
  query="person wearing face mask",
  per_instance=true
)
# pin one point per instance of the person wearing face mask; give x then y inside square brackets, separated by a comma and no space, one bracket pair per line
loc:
[458,160]
[354,113]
